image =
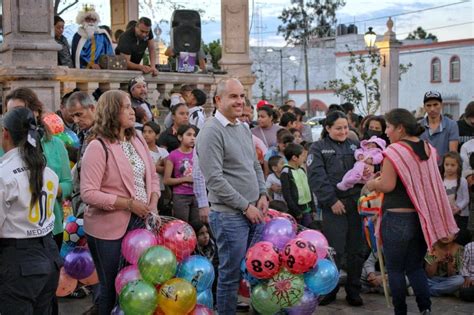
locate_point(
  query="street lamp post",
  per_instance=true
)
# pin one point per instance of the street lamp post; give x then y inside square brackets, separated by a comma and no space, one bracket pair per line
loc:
[281,71]
[369,38]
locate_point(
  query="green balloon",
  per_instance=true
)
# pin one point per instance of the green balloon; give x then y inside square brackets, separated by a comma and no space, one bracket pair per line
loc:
[262,300]
[64,137]
[286,289]
[138,297]
[157,265]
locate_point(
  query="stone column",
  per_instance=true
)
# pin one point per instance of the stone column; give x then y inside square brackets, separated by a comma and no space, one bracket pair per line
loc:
[235,42]
[121,12]
[389,69]
[28,43]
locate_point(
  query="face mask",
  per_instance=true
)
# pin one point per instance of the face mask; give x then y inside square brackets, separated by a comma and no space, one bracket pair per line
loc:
[371,133]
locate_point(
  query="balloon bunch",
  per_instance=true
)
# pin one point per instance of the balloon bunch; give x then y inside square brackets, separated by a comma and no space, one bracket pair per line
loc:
[163,277]
[78,263]
[56,127]
[287,271]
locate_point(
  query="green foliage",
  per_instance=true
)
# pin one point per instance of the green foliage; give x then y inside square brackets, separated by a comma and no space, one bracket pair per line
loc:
[214,48]
[420,33]
[362,70]
[314,18]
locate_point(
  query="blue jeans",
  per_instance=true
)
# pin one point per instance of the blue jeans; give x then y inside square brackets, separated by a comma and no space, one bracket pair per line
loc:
[233,233]
[445,285]
[404,249]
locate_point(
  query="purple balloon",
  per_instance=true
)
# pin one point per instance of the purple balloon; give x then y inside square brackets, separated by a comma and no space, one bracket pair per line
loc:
[117,311]
[135,243]
[278,231]
[306,306]
[78,264]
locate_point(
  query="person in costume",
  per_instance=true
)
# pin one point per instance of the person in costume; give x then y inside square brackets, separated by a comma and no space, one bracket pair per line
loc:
[90,42]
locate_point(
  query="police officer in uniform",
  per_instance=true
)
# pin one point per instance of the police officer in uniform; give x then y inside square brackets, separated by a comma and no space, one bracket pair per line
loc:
[29,257]
[328,160]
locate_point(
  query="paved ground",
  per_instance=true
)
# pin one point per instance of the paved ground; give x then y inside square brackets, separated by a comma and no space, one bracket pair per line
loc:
[374,305]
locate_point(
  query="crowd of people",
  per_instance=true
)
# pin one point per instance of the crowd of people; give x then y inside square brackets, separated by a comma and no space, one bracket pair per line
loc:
[221,174]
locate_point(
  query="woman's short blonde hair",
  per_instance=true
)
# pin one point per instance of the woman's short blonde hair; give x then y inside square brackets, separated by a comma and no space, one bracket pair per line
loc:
[107,114]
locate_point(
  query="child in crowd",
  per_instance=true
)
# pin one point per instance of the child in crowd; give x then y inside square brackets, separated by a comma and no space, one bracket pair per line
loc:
[151,131]
[284,137]
[370,153]
[467,290]
[297,134]
[178,174]
[273,184]
[443,267]
[295,186]
[458,193]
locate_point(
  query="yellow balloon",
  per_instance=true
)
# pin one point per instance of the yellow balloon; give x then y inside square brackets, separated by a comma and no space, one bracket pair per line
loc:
[177,296]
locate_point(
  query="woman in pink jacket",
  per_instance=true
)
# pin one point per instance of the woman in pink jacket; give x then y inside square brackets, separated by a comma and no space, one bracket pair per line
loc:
[119,184]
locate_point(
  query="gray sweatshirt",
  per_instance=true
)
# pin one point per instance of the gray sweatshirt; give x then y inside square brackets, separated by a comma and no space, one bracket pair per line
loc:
[229,164]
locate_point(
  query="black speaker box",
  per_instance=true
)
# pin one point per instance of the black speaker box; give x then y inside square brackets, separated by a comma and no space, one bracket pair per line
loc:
[186,25]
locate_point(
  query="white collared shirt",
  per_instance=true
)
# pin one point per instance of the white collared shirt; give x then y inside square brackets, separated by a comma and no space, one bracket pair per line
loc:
[224,121]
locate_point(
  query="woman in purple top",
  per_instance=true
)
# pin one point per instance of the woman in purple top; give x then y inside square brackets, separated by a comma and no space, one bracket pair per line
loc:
[266,130]
[179,175]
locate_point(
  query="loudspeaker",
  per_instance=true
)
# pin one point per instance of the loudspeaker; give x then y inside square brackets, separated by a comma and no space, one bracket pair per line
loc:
[186,25]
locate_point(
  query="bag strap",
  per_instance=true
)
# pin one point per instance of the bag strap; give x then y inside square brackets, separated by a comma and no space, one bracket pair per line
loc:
[105,149]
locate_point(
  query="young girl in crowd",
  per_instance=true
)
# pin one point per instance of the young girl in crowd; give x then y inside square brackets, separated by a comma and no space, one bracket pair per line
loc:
[297,135]
[151,131]
[458,192]
[178,174]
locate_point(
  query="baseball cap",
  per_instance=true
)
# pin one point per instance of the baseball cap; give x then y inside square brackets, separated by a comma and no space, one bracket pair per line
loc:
[264,103]
[432,95]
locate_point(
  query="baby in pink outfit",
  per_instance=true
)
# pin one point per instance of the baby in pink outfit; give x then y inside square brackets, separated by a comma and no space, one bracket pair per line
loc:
[370,153]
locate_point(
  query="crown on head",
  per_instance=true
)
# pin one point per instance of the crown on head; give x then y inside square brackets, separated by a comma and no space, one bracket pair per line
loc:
[88,7]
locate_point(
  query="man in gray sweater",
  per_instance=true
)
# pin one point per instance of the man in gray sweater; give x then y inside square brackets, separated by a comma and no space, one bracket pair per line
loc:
[236,187]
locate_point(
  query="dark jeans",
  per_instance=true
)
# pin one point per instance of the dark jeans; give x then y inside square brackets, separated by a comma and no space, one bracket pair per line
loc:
[233,233]
[344,234]
[185,208]
[404,249]
[29,275]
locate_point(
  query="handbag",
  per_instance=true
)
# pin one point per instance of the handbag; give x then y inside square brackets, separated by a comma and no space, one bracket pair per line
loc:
[113,62]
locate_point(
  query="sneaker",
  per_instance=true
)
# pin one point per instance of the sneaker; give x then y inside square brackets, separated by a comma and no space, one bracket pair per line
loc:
[354,300]
[94,310]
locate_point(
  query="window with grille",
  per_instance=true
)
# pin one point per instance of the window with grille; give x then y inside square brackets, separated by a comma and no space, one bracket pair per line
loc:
[435,70]
[454,69]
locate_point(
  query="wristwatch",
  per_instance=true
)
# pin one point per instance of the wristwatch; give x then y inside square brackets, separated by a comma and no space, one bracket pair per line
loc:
[244,212]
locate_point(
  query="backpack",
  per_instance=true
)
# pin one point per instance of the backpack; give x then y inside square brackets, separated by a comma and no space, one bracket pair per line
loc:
[79,206]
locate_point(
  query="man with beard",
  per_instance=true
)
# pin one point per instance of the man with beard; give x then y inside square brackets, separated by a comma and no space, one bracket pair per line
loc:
[90,42]
[138,92]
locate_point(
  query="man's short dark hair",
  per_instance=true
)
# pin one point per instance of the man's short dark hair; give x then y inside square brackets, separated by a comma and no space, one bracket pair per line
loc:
[293,149]
[273,161]
[469,111]
[285,108]
[287,118]
[57,19]
[146,21]
[298,112]
[348,107]
[334,107]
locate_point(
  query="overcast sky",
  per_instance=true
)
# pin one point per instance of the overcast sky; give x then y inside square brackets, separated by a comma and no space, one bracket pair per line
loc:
[450,22]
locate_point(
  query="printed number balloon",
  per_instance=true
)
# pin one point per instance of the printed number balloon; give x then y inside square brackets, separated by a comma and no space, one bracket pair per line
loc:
[157,265]
[198,270]
[205,298]
[126,275]
[74,231]
[318,240]
[299,256]
[323,278]
[179,237]
[246,274]
[271,214]
[263,260]
[54,123]
[78,263]
[306,306]
[278,231]
[66,284]
[177,296]
[262,302]
[135,243]
[286,289]
[138,297]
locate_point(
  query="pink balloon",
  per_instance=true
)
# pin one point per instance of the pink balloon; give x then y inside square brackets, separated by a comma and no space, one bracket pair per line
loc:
[179,237]
[318,240]
[135,243]
[126,275]
[201,310]
[272,214]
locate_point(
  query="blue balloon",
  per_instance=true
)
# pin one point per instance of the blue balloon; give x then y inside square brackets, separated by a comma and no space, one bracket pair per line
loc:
[198,270]
[247,276]
[205,298]
[323,278]
[76,143]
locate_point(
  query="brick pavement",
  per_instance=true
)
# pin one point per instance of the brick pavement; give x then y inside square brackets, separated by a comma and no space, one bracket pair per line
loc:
[374,305]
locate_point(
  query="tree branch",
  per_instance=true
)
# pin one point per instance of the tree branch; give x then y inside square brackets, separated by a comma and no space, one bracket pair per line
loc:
[65,8]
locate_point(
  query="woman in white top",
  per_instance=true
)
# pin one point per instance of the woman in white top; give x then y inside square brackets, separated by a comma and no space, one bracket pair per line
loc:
[29,257]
